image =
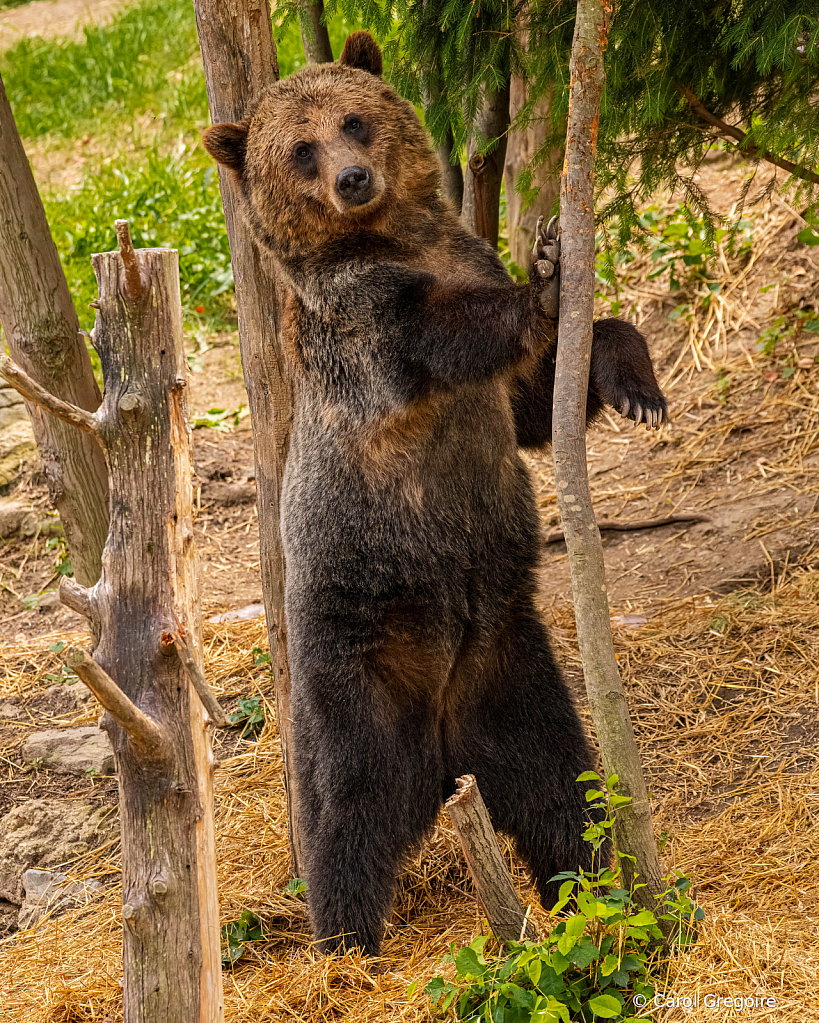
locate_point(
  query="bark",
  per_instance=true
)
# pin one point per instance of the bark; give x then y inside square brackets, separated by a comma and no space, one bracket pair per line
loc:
[314,35]
[42,333]
[493,882]
[147,595]
[239,56]
[521,150]
[484,174]
[607,699]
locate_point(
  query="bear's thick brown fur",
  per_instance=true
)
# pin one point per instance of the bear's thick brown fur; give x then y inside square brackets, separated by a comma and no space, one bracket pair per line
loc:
[411,533]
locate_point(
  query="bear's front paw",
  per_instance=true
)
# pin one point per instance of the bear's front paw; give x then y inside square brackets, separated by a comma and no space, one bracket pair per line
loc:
[647,407]
[544,271]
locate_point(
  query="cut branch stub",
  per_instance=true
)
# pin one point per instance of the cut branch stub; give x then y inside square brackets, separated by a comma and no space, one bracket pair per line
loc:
[470,818]
[32,391]
[140,729]
[133,281]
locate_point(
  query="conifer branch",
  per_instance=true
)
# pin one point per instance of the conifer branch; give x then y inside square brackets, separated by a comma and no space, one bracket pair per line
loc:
[747,148]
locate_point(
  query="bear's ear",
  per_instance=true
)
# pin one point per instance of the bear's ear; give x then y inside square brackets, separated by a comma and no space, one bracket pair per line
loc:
[362,51]
[227,144]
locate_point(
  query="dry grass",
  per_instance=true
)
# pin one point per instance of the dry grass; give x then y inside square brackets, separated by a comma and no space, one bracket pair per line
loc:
[724,696]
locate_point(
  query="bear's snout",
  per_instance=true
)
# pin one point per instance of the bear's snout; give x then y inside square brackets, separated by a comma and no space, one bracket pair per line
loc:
[355,186]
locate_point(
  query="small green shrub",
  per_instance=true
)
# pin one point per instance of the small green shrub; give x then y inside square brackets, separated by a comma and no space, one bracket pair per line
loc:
[250,713]
[597,963]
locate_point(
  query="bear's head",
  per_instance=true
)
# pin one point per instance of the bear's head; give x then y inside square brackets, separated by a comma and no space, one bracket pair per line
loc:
[329,152]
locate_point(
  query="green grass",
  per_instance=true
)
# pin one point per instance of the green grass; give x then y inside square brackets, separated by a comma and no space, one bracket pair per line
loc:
[171,202]
[69,87]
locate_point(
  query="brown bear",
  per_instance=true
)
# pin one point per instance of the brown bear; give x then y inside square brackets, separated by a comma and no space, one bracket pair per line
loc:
[410,527]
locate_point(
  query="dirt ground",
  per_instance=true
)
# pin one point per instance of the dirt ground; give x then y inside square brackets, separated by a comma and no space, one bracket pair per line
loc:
[742,449]
[52,18]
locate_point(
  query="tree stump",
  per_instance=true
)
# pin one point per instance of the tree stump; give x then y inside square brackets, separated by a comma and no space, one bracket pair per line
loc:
[147,664]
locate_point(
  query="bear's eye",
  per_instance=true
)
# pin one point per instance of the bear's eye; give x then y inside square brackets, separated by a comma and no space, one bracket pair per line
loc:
[303,151]
[354,124]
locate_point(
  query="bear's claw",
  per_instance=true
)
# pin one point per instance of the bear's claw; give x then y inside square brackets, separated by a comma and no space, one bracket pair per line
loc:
[546,266]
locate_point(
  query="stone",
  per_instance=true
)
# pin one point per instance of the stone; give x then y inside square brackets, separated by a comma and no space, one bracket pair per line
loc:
[10,711]
[45,833]
[47,891]
[49,601]
[16,517]
[17,450]
[81,750]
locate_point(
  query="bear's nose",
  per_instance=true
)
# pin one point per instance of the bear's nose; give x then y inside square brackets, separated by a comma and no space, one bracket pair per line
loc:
[354,185]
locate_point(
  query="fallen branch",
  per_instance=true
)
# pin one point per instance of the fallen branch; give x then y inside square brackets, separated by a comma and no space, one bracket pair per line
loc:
[198,680]
[748,149]
[32,391]
[626,526]
[141,729]
[496,893]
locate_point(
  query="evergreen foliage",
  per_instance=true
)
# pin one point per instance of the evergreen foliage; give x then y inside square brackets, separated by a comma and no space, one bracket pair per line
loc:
[751,63]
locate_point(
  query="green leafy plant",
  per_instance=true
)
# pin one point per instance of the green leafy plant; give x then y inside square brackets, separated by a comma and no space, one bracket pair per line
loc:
[591,965]
[260,656]
[295,886]
[236,934]
[220,419]
[62,565]
[250,712]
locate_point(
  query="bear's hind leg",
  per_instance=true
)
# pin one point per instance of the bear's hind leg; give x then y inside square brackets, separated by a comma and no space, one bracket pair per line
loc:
[519,733]
[369,789]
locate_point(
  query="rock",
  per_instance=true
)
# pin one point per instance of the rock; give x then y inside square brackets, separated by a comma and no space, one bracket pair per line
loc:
[17,449]
[16,517]
[10,711]
[12,408]
[44,833]
[242,614]
[71,750]
[47,892]
[8,917]
[49,601]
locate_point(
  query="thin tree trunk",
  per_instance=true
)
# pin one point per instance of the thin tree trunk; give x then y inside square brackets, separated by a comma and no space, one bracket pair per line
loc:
[239,56]
[484,174]
[146,601]
[42,332]
[493,882]
[607,699]
[314,35]
[520,151]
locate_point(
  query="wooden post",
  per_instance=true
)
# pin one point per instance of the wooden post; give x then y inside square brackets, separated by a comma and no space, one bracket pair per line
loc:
[42,332]
[607,699]
[145,606]
[484,174]
[239,57]
[314,35]
[493,882]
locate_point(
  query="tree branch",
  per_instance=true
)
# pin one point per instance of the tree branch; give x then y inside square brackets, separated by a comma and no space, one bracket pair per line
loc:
[198,681]
[497,894]
[141,729]
[615,525]
[78,598]
[133,278]
[748,149]
[32,391]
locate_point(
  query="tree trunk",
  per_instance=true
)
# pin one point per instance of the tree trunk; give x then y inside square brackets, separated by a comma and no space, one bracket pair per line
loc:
[484,174]
[239,56]
[146,600]
[607,700]
[314,35]
[521,150]
[493,882]
[42,332]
